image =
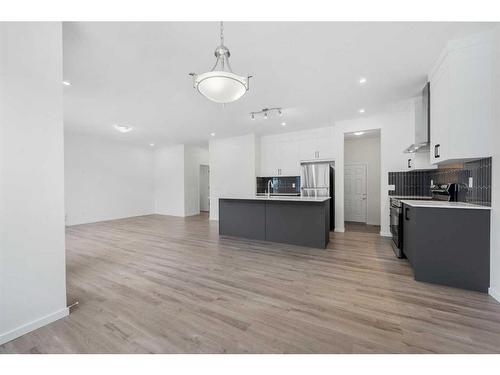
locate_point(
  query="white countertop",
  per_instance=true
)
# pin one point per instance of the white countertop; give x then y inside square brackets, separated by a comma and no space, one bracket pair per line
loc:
[443,204]
[410,197]
[281,198]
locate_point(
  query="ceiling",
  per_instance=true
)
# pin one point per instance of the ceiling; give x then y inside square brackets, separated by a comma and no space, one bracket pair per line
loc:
[136,74]
[373,133]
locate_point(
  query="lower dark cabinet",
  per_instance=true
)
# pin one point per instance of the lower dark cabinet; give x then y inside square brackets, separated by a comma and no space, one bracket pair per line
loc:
[448,246]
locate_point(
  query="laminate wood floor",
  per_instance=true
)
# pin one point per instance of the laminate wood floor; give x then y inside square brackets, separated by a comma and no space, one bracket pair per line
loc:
[160,284]
[352,226]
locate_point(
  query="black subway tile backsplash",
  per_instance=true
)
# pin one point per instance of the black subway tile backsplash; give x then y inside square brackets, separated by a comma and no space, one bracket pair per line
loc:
[281,185]
[417,183]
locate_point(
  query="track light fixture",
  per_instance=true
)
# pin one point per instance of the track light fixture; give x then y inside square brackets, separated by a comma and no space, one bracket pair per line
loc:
[266,112]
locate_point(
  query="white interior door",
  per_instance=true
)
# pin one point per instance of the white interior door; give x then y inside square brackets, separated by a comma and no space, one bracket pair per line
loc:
[355,192]
[204,188]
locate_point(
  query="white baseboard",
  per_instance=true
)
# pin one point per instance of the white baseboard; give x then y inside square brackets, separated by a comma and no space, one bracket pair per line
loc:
[385,234]
[494,293]
[340,230]
[31,326]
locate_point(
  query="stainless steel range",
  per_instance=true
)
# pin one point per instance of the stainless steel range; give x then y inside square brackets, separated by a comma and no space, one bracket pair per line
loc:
[444,192]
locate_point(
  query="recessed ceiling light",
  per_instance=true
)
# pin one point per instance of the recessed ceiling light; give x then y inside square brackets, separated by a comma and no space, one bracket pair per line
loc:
[359,133]
[152,144]
[362,110]
[66,83]
[212,134]
[283,124]
[123,128]
[362,80]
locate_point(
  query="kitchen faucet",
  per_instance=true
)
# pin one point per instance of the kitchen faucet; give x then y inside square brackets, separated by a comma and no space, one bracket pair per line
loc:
[269,186]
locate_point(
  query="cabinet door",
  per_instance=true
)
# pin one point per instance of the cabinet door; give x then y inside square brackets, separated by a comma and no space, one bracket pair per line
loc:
[324,148]
[269,160]
[279,159]
[287,158]
[471,110]
[462,102]
[440,113]
[308,149]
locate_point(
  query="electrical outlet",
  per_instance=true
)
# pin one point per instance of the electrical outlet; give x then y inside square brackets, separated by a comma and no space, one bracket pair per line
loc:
[432,182]
[392,187]
[471,182]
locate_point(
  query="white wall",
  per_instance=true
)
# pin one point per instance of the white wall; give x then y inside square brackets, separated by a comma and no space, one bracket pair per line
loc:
[396,133]
[204,187]
[193,158]
[177,179]
[169,181]
[233,169]
[106,179]
[495,212]
[367,151]
[32,254]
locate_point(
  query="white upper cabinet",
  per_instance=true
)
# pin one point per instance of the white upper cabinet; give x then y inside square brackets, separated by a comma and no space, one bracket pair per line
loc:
[461,101]
[320,146]
[280,155]
[279,159]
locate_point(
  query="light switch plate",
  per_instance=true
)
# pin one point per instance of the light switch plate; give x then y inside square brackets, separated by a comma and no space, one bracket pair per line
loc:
[392,187]
[471,182]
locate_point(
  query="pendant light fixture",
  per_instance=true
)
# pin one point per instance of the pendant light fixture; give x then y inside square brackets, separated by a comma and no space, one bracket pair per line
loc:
[220,84]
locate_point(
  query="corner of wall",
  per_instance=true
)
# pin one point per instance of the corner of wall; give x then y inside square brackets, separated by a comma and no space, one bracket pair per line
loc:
[494,293]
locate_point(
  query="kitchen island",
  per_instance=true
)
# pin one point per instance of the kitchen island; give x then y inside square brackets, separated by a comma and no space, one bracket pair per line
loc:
[303,221]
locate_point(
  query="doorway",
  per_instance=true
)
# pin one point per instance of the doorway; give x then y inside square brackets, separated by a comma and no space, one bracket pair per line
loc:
[355,193]
[204,188]
[362,177]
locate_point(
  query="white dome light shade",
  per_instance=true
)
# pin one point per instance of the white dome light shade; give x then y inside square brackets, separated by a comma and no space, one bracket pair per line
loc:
[221,87]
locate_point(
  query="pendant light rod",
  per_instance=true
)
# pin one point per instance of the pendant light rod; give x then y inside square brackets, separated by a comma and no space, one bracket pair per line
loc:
[221,33]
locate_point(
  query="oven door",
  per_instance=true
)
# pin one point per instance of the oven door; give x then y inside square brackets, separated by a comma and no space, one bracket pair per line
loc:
[396,230]
[395,212]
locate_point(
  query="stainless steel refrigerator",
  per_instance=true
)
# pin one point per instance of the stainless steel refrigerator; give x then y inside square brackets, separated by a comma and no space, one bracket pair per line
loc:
[318,180]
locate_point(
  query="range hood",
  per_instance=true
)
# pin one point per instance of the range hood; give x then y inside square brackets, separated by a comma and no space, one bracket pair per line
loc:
[422,122]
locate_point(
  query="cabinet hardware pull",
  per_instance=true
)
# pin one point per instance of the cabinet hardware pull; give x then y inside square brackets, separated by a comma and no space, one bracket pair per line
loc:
[406,214]
[409,163]
[436,151]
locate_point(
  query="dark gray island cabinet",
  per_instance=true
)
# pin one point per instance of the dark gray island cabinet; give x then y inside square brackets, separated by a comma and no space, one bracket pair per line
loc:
[302,221]
[448,244]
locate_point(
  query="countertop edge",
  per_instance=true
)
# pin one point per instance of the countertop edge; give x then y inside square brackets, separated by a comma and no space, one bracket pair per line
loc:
[280,199]
[456,205]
